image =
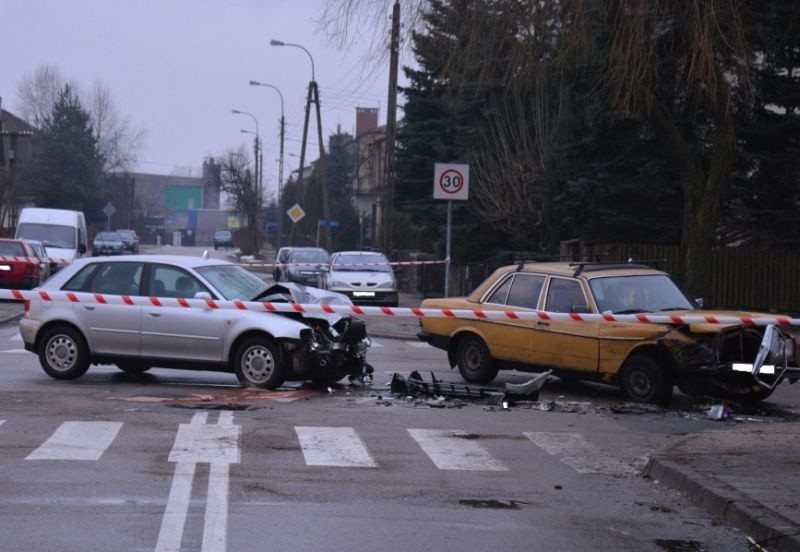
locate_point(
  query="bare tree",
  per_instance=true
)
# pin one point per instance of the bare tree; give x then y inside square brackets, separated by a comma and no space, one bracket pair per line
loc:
[119,140]
[37,93]
[239,185]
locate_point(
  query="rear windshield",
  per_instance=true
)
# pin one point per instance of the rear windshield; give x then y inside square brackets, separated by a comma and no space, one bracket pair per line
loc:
[11,249]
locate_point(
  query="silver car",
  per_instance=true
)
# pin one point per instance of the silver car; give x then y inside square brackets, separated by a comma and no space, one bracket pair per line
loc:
[263,349]
[364,276]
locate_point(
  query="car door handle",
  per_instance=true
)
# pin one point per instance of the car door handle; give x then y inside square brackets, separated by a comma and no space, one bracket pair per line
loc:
[154,314]
[543,323]
[89,307]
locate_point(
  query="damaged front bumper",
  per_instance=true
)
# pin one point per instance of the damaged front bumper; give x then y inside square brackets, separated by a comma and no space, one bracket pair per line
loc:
[772,363]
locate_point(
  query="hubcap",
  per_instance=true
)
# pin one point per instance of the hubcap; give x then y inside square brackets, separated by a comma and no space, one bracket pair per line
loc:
[62,353]
[473,358]
[257,364]
[641,386]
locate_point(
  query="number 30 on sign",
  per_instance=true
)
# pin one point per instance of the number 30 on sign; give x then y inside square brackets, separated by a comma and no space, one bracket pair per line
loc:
[450,181]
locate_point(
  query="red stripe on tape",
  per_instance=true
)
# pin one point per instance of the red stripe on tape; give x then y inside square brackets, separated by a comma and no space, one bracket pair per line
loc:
[211,304]
[156,302]
[328,309]
[268,306]
[543,315]
[747,320]
[512,315]
[784,321]
[448,313]
[298,308]
[575,316]
[417,312]
[44,296]
[480,314]
[712,319]
[127,300]
[676,319]
[387,311]
[183,302]
[100,299]
[72,297]
[642,318]
[17,294]
[240,305]
[356,309]
[609,317]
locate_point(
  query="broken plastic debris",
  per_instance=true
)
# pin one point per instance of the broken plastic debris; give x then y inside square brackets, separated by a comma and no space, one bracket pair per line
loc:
[718,412]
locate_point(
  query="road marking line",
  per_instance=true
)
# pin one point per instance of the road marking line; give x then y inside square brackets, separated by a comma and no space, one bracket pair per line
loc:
[199,442]
[333,446]
[449,450]
[77,441]
[574,451]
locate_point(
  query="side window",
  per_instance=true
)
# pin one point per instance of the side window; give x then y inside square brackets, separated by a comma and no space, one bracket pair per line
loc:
[118,279]
[78,282]
[525,291]
[171,281]
[499,295]
[565,296]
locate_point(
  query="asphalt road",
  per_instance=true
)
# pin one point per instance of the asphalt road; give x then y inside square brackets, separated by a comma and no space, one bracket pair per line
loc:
[178,460]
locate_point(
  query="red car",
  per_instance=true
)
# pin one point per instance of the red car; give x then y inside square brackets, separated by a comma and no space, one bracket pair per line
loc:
[19,265]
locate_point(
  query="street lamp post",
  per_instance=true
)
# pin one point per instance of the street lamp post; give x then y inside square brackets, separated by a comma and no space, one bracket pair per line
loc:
[256,152]
[280,159]
[313,97]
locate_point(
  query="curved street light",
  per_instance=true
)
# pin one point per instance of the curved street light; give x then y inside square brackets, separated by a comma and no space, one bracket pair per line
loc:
[274,42]
[259,180]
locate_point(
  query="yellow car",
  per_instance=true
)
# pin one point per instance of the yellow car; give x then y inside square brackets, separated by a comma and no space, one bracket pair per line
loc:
[742,362]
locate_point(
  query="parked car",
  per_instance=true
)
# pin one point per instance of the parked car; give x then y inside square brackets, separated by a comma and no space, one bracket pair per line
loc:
[364,276]
[645,360]
[300,264]
[263,349]
[41,253]
[130,240]
[107,243]
[20,268]
[223,238]
[62,232]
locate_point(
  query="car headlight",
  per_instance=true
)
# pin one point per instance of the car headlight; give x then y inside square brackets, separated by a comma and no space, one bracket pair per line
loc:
[338,284]
[387,285]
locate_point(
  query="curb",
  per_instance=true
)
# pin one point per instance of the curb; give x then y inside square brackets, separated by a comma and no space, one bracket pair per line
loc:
[756,520]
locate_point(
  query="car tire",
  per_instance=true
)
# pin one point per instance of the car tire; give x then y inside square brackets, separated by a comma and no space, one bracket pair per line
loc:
[63,353]
[133,367]
[475,363]
[258,364]
[644,381]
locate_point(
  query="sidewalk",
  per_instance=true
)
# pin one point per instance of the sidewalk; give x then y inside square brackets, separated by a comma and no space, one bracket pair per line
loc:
[748,475]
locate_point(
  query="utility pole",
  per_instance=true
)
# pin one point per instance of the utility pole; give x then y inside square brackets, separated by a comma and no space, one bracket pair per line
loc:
[391,128]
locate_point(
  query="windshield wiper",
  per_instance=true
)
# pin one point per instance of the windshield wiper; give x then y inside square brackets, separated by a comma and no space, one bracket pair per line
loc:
[674,309]
[630,311]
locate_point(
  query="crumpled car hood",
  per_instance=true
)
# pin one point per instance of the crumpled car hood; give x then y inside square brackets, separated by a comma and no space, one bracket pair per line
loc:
[306,295]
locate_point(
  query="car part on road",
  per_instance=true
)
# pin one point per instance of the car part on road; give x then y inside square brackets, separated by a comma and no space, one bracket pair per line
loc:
[414,385]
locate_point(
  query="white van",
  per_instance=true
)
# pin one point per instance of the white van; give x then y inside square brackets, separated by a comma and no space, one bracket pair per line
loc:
[62,232]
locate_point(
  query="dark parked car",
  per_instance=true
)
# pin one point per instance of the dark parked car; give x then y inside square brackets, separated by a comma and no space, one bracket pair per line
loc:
[130,240]
[107,243]
[300,264]
[223,238]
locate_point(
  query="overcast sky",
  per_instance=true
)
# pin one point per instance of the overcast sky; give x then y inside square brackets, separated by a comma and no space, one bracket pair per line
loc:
[178,67]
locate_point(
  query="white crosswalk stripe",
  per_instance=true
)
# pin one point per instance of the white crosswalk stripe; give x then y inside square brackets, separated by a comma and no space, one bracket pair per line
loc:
[574,451]
[77,441]
[334,446]
[452,450]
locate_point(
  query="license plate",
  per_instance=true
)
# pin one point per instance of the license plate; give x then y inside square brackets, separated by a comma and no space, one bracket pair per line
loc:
[5,268]
[363,294]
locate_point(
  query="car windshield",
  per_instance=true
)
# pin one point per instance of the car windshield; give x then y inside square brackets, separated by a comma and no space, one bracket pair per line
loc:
[223,234]
[309,257]
[51,235]
[639,293]
[362,263]
[108,236]
[233,282]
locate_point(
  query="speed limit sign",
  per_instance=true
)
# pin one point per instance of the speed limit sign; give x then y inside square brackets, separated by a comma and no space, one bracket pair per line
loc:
[450,181]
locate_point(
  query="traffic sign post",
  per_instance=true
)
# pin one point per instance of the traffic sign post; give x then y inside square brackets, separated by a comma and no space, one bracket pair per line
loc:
[109,210]
[450,182]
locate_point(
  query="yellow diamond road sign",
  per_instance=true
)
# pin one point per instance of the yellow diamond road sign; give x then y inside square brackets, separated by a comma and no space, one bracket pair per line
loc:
[296,213]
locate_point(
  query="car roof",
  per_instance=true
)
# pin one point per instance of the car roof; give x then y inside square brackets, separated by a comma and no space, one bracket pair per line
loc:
[582,270]
[364,253]
[179,260]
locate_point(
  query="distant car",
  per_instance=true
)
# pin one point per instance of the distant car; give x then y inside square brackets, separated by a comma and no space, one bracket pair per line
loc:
[20,268]
[300,264]
[107,243]
[41,252]
[262,349]
[364,276]
[130,240]
[223,238]
[740,362]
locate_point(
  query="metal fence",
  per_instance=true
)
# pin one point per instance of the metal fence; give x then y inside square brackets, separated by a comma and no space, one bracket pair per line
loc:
[742,278]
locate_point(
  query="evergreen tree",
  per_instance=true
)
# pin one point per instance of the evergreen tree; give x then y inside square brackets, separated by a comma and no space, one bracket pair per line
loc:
[67,167]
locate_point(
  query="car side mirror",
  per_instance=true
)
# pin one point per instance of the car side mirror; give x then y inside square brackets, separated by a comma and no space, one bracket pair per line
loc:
[700,302]
[202,295]
[82,248]
[324,269]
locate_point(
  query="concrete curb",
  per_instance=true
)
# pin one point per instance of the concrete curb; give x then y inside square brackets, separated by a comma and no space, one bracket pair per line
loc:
[768,528]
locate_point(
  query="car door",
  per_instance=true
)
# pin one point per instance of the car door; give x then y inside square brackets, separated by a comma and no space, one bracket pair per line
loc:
[112,329]
[567,344]
[176,332]
[513,339]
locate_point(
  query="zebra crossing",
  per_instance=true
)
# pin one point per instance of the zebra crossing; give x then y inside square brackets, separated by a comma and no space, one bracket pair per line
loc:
[343,447]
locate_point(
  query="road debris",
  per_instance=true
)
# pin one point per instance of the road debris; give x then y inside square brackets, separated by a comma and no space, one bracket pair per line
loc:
[414,385]
[718,412]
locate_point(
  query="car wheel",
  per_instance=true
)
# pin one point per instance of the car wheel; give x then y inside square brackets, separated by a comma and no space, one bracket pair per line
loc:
[133,367]
[257,364]
[474,360]
[642,380]
[63,353]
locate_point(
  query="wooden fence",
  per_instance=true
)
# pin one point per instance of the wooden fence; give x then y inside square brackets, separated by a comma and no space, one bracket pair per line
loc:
[742,278]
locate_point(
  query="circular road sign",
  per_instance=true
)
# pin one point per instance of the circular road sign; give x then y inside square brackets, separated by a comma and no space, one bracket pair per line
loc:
[451,181]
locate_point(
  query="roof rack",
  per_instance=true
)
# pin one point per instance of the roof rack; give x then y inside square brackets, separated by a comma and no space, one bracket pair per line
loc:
[591,267]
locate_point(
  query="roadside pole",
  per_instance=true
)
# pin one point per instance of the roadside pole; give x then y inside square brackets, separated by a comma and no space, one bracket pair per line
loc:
[450,182]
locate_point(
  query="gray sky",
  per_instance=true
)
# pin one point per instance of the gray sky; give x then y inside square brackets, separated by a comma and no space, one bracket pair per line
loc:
[178,67]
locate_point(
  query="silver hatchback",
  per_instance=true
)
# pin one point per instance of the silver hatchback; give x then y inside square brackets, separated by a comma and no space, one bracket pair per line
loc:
[136,333]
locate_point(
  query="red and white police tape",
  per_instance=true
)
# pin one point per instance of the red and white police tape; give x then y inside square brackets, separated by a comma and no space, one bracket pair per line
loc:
[413,312]
[393,263]
[35,259]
